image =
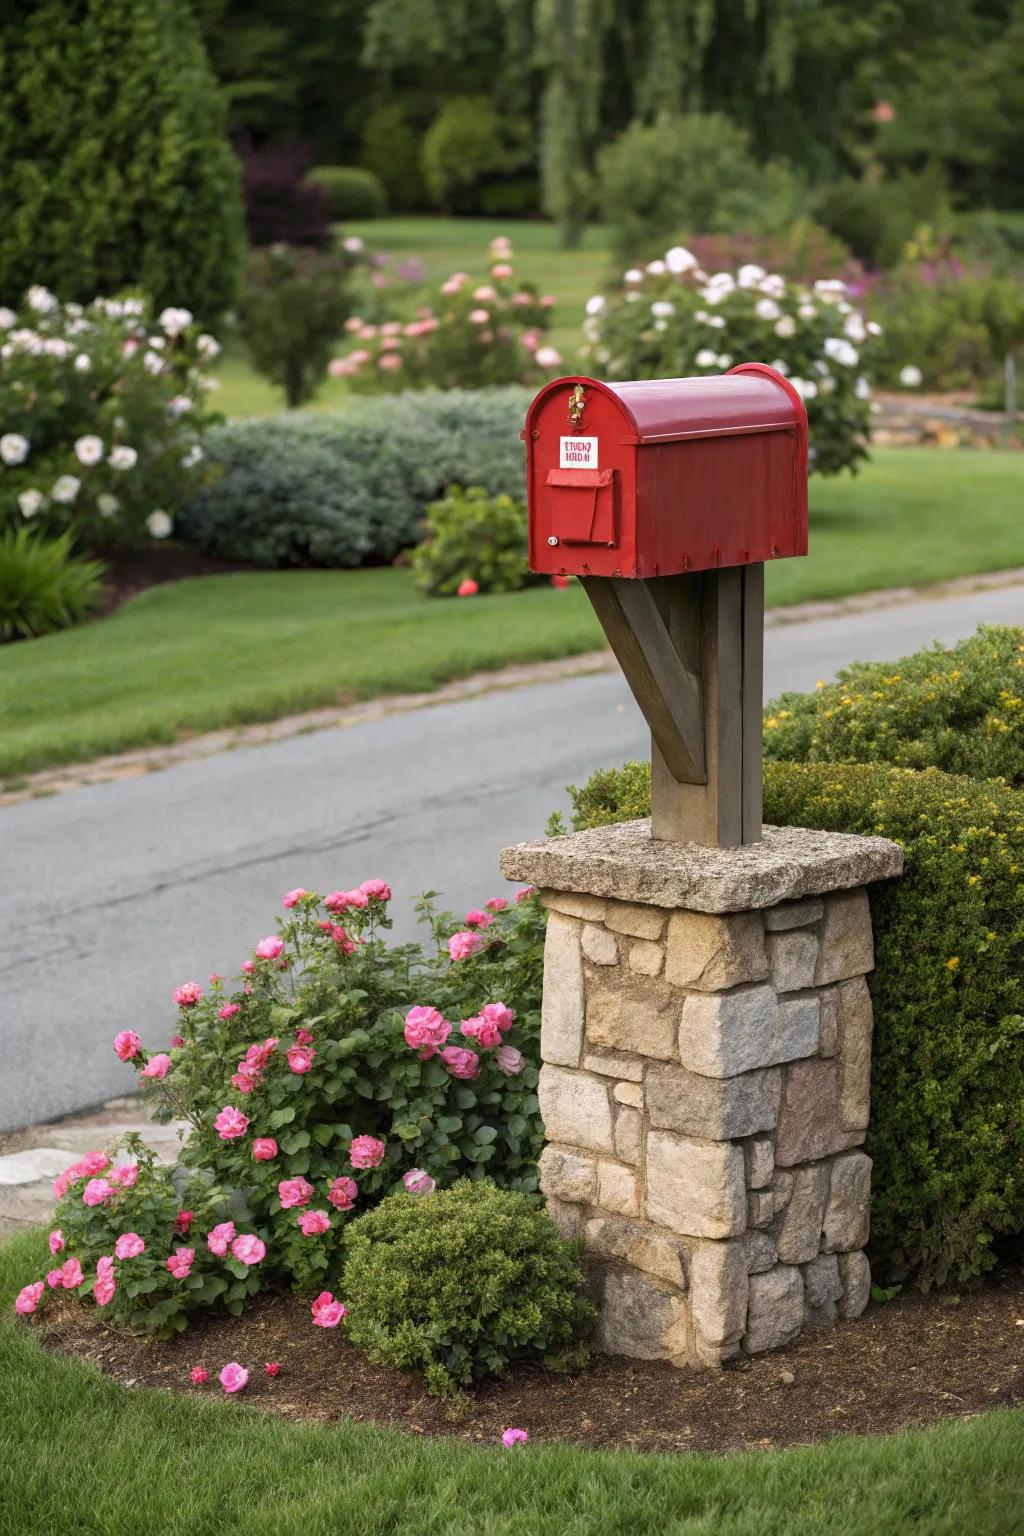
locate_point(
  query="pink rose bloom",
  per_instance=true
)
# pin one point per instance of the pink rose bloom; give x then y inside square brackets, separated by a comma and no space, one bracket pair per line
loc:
[484,293]
[462,945]
[187,995]
[219,1237]
[341,938]
[180,1262]
[71,1274]
[258,1056]
[390,361]
[97,1191]
[531,340]
[312,1223]
[92,1162]
[486,1034]
[127,1044]
[215,976]
[103,1292]
[300,1058]
[513,1437]
[177,1041]
[525,893]
[245,1079]
[60,1184]
[270,948]
[233,1377]
[293,1192]
[105,1267]
[477,919]
[426,1031]
[248,968]
[499,1015]
[468,588]
[30,1296]
[501,270]
[272,1368]
[510,1061]
[496,904]
[126,1175]
[264,1149]
[479,316]
[230,1123]
[343,1193]
[460,1062]
[229,1010]
[128,1246]
[336,901]
[418,1182]
[377,890]
[366,1152]
[182,1222]
[53,1278]
[327,1313]
[56,1240]
[198,1375]
[248,1249]
[357,898]
[157,1066]
[303,1037]
[293,898]
[546,302]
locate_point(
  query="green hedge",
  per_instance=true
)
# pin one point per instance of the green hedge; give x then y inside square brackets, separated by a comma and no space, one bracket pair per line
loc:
[351,488]
[961,710]
[947,1127]
[352,192]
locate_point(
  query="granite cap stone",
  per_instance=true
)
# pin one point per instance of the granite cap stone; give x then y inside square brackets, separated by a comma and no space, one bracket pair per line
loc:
[625,862]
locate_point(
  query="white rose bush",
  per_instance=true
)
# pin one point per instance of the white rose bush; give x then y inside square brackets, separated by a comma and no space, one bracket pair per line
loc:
[101,409]
[672,319]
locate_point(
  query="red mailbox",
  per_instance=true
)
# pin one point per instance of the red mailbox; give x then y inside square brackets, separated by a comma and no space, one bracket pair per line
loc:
[665,476]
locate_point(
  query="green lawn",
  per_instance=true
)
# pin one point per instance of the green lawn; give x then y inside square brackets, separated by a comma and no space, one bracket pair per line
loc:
[82,1455]
[223,650]
[445,246]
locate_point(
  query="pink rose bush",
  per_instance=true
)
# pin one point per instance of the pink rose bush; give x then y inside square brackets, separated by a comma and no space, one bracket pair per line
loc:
[310,1093]
[471,336]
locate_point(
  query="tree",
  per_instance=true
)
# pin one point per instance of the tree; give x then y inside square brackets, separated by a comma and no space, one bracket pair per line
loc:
[115,171]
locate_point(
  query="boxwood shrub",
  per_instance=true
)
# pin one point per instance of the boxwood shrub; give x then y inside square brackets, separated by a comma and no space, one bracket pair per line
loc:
[947,1106]
[960,709]
[351,487]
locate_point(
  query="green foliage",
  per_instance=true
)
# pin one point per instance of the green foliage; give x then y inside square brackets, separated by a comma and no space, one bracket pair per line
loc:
[694,172]
[391,151]
[295,304]
[960,709]
[465,145]
[42,586]
[956,325]
[102,409]
[351,488]
[472,536]
[876,217]
[947,1087]
[131,183]
[352,191]
[461,1283]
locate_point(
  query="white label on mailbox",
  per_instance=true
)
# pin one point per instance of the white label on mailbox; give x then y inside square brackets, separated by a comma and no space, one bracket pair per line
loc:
[577,453]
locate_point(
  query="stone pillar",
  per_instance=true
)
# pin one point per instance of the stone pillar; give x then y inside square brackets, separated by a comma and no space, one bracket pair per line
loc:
[707,1053]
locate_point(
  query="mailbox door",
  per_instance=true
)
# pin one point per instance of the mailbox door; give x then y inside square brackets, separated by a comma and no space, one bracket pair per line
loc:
[581,487]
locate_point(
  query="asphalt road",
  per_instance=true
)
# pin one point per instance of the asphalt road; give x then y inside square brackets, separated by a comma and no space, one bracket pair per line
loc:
[115,893]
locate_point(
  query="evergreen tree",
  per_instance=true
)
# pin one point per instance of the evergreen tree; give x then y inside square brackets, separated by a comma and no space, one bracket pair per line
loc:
[115,171]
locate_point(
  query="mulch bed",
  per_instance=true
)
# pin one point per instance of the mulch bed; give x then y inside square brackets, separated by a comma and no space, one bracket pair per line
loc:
[908,1363]
[129,574]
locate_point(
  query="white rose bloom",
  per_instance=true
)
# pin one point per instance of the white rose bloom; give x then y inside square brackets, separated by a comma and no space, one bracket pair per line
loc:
[133,307]
[122,458]
[601,355]
[41,299]
[58,347]
[822,367]
[634,275]
[159,524]
[767,309]
[662,309]
[774,285]
[632,296]
[208,347]
[157,343]
[179,406]
[89,449]
[805,388]
[596,304]
[14,448]
[591,329]
[152,362]
[724,360]
[7,318]
[657,268]
[6,350]
[706,358]
[107,504]
[780,366]
[750,274]
[194,456]
[661,325]
[862,389]
[174,321]
[717,322]
[786,326]
[30,502]
[547,357]
[83,363]
[874,329]
[679,259]
[65,489]
[841,351]
[910,377]
[353,243]
[807,311]
[831,285]
[854,327]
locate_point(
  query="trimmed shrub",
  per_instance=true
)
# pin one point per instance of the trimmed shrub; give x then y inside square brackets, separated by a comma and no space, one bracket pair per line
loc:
[352,192]
[115,171]
[295,304]
[947,1082]
[42,586]
[461,1283]
[464,146]
[391,150]
[351,488]
[471,536]
[960,709]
